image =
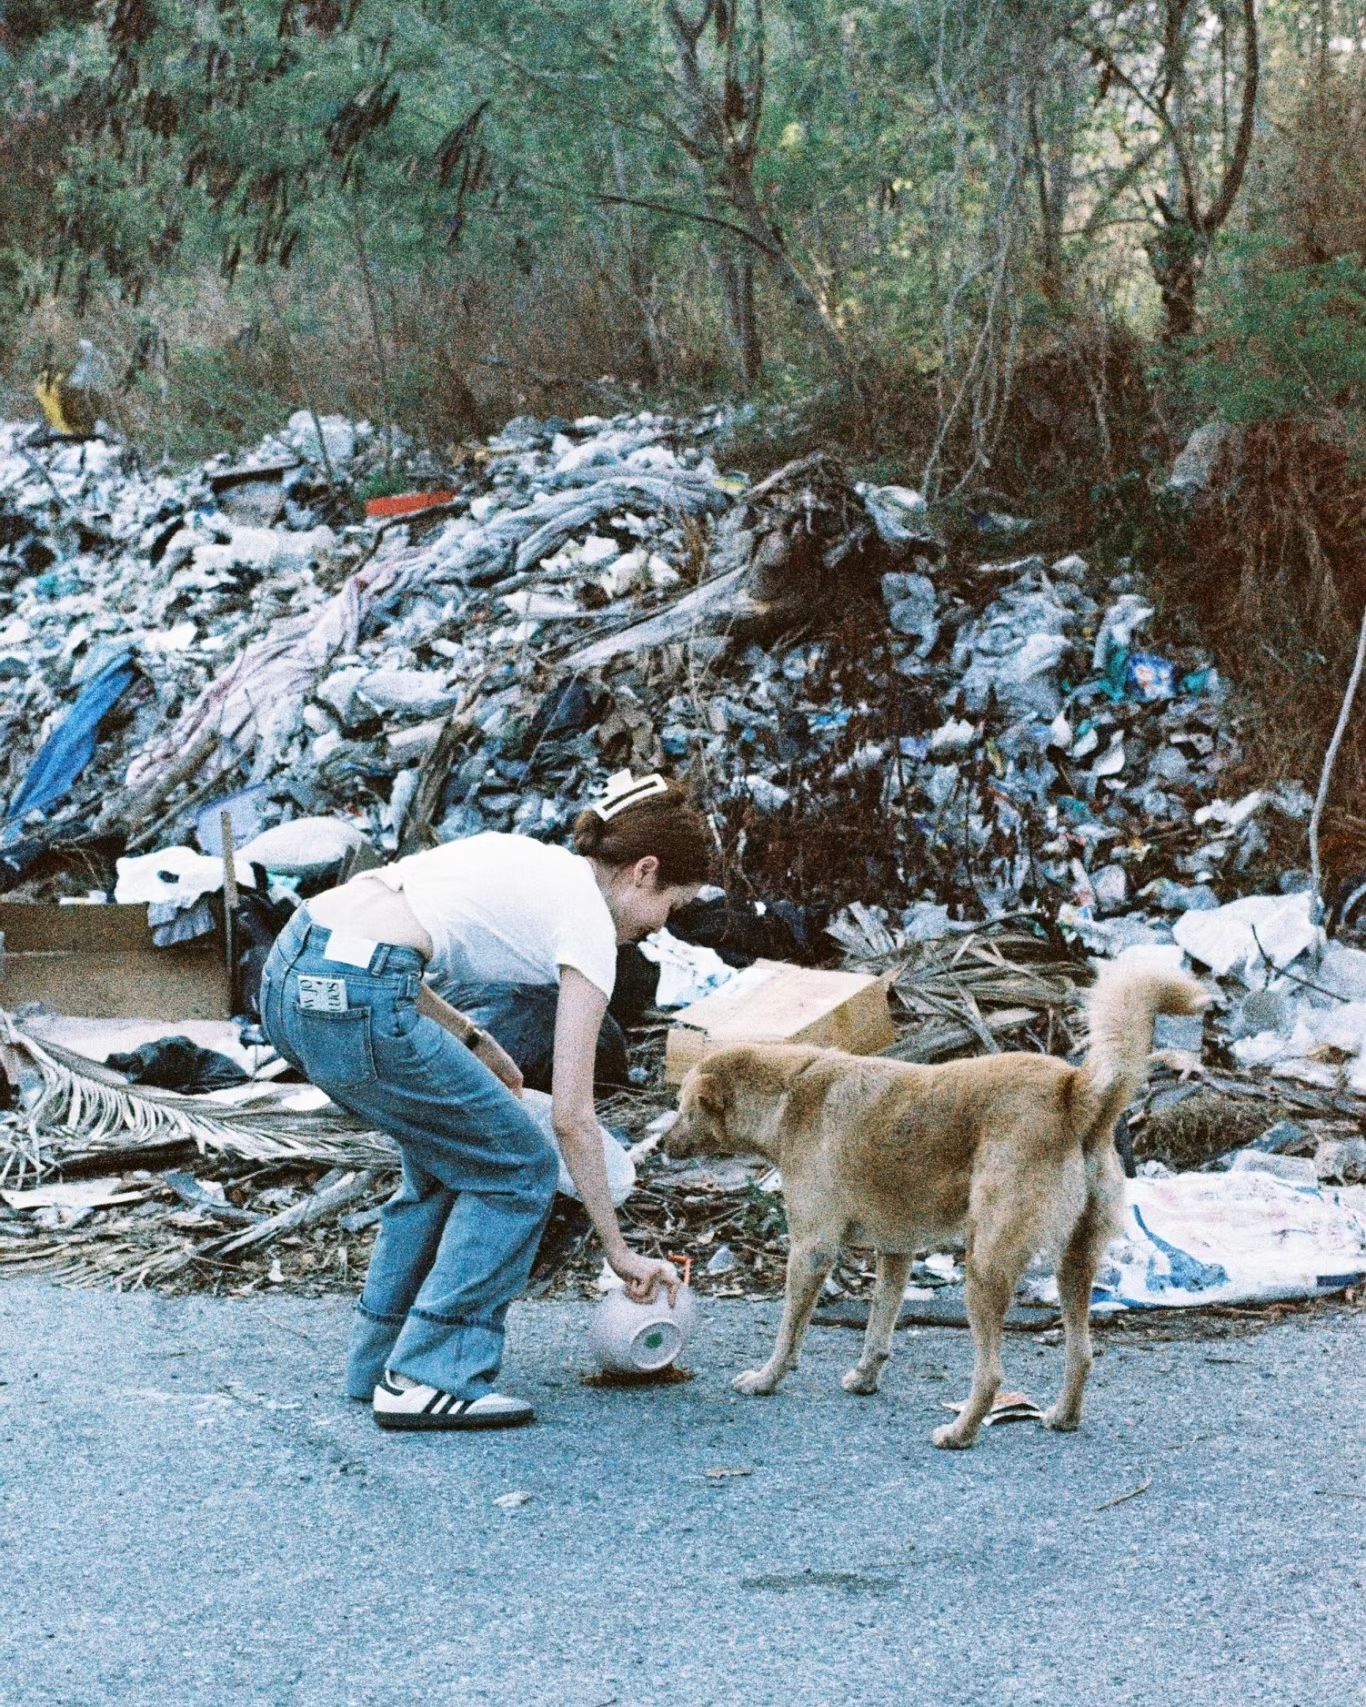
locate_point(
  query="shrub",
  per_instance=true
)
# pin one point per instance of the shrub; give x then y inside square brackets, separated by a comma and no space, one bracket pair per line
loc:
[1282,341]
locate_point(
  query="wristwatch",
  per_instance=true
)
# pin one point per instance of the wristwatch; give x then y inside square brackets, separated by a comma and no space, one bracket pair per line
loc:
[474,1038]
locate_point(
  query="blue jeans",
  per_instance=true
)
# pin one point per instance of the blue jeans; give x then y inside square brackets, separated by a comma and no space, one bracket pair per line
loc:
[457,1240]
[522,1018]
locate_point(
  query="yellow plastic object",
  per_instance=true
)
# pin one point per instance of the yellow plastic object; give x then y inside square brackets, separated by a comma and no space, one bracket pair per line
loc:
[48,391]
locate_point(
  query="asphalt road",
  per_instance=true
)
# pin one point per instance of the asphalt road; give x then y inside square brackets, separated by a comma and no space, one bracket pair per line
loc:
[192,1517]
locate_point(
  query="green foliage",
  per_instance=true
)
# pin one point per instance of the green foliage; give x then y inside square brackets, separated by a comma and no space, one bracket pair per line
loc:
[424,199]
[385,483]
[221,402]
[480,140]
[24,22]
[1137,523]
[1281,339]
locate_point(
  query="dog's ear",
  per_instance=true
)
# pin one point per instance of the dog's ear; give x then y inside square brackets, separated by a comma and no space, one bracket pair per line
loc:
[712,1096]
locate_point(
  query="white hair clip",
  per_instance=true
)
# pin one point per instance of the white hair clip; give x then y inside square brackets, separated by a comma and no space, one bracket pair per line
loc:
[625,790]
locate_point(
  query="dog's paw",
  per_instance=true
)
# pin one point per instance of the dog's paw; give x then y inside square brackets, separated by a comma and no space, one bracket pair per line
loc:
[1066,1422]
[949,1438]
[754,1384]
[861,1380]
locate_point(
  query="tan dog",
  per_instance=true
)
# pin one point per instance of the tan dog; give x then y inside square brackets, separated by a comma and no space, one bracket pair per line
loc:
[1015,1150]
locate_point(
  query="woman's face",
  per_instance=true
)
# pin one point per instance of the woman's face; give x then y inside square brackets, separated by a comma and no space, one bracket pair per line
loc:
[640,904]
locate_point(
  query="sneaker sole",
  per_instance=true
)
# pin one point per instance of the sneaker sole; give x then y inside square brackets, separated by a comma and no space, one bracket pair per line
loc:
[419,1424]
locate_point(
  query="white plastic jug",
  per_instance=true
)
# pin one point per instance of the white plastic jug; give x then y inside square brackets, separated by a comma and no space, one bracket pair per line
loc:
[637,1339]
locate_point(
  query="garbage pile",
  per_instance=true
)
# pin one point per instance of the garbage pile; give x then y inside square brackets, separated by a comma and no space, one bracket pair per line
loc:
[904,750]
[313,663]
[596,593]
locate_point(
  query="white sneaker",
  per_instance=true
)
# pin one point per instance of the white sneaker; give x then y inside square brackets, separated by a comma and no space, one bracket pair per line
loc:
[402,1403]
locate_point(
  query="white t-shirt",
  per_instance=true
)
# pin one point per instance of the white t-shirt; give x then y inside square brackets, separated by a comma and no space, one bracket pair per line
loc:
[507,909]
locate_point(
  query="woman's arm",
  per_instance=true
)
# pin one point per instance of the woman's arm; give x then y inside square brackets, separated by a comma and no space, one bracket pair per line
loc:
[485,1047]
[578,1019]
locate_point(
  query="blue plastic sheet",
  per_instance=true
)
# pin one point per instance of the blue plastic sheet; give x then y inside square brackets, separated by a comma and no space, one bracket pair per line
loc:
[1232,1238]
[71,746]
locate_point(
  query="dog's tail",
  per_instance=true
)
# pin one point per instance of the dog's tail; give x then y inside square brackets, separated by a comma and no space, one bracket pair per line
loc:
[1125,1000]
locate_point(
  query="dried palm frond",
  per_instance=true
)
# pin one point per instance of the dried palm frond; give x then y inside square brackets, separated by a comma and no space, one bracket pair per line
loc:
[85,1111]
[863,933]
[133,1251]
[968,987]
[100,1256]
[1001,968]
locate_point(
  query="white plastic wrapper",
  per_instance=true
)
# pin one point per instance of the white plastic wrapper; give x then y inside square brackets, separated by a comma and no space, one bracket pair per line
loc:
[1230,1238]
[1241,937]
[171,876]
[304,847]
[687,971]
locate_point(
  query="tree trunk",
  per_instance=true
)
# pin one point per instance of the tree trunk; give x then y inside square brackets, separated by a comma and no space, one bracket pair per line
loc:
[722,98]
[799,292]
[1054,70]
[1181,246]
[1177,258]
[648,354]
[736,273]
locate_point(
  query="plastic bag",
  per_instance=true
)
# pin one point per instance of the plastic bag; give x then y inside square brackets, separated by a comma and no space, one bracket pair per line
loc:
[621,1170]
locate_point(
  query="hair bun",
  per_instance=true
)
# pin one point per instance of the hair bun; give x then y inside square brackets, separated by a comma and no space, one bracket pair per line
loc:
[589,830]
[662,825]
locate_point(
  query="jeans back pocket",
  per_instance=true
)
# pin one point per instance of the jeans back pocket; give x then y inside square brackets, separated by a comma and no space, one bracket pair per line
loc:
[336,1048]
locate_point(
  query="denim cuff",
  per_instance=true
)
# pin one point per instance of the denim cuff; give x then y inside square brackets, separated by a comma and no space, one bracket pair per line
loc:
[372,1340]
[459,1358]
[362,1309]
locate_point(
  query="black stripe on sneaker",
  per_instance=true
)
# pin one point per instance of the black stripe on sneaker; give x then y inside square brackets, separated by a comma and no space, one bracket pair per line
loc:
[433,1406]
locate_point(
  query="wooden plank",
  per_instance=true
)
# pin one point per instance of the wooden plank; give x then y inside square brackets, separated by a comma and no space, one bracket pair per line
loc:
[229,905]
[39,927]
[771,1002]
[100,962]
[167,983]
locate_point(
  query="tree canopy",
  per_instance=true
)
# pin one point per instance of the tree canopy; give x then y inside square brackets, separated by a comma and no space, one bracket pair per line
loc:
[715,194]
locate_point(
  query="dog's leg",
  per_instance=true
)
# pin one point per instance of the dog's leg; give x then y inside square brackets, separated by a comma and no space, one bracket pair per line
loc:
[866,1375]
[808,1263]
[989,1290]
[1076,1275]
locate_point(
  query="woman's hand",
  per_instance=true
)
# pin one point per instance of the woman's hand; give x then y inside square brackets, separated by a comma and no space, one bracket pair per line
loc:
[645,1275]
[498,1061]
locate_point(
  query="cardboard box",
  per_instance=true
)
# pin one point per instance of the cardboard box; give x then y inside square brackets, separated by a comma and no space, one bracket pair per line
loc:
[99,962]
[771,1002]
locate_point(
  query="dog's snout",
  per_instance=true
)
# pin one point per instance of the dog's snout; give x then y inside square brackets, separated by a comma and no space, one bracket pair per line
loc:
[677,1137]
